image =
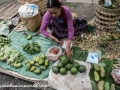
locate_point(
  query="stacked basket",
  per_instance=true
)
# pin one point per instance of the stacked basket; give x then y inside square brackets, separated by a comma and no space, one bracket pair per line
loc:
[106,19]
[33,23]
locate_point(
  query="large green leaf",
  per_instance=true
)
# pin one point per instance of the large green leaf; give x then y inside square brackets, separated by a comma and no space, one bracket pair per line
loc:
[117,87]
[94,85]
[79,54]
[83,56]
[91,73]
[89,28]
[108,77]
[108,62]
[76,53]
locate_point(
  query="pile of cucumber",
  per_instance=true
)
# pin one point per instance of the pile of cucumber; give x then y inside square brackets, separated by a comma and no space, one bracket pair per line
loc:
[99,72]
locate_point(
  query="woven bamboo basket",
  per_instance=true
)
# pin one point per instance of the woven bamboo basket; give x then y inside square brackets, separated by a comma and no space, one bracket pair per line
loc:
[32,23]
[106,19]
[39,3]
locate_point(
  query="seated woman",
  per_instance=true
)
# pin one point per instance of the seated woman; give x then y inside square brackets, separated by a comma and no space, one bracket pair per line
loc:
[59,19]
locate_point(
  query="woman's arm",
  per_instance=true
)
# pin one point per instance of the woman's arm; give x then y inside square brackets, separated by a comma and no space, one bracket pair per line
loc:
[68,50]
[70,31]
[69,43]
[56,40]
[45,23]
[70,24]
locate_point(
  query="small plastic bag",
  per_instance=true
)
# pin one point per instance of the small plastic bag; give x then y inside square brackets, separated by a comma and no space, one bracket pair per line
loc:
[15,21]
[53,56]
[65,44]
[116,75]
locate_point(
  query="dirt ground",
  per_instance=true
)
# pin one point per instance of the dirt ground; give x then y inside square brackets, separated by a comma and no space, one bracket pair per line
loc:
[84,10]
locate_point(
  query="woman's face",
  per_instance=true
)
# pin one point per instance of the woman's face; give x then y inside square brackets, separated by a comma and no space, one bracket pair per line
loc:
[55,12]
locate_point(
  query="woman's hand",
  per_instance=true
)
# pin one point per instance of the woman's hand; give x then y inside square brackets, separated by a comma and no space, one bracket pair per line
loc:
[56,40]
[68,50]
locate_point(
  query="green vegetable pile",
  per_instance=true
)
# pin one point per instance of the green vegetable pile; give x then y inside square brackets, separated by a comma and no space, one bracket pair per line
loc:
[12,56]
[37,65]
[100,73]
[65,65]
[4,40]
[32,48]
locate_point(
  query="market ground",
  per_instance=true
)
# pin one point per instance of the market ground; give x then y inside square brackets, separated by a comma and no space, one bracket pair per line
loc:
[85,10]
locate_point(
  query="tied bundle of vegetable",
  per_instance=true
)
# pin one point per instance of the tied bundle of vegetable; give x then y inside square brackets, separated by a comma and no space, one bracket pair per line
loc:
[32,48]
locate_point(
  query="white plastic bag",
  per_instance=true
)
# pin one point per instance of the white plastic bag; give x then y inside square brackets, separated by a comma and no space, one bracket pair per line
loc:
[116,75]
[92,57]
[4,29]
[80,81]
[52,56]
[28,10]
[65,44]
[15,21]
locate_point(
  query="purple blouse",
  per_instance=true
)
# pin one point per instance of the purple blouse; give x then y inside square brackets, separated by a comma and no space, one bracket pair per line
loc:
[47,17]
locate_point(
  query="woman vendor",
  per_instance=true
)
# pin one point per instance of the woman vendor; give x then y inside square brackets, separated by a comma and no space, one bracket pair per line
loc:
[59,20]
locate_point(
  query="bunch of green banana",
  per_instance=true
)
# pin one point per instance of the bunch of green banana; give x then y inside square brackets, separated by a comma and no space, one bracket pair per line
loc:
[32,48]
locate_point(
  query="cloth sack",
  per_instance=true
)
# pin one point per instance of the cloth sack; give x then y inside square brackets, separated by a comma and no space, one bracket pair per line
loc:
[80,81]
